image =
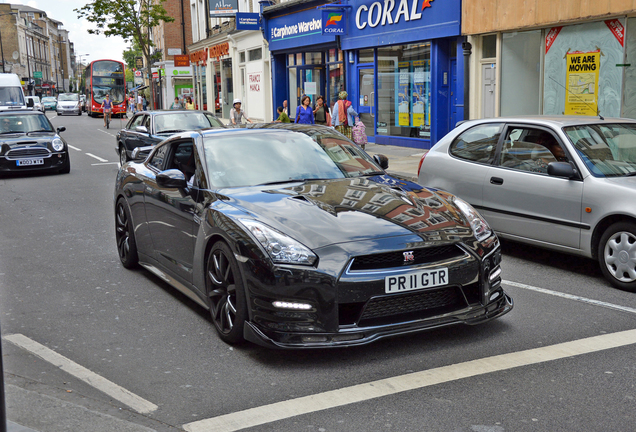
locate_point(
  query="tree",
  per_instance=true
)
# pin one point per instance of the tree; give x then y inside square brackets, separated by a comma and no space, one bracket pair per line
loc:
[130,19]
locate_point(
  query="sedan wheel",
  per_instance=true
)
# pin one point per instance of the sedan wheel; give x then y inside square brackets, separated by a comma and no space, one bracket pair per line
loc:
[123,156]
[617,255]
[126,245]
[227,296]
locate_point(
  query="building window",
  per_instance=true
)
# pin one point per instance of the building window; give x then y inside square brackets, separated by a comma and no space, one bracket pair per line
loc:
[404,100]
[255,54]
[242,57]
[313,58]
[489,46]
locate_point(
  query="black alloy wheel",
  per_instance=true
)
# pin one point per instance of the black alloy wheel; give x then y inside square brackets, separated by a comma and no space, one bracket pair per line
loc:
[123,156]
[124,235]
[227,296]
[617,255]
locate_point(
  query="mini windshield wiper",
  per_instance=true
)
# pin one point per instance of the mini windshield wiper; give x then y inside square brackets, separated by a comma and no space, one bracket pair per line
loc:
[41,130]
[171,131]
[10,132]
[374,173]
[631,174]
[292,181]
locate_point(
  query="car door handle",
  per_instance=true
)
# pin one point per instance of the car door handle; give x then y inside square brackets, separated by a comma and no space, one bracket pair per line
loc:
[496,180]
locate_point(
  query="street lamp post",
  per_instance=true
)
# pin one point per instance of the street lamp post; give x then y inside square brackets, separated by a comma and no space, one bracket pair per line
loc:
[79,65]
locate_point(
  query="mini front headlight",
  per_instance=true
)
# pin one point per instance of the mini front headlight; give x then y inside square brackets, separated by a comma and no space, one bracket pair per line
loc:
[58,144]
[480,227]
[281,248]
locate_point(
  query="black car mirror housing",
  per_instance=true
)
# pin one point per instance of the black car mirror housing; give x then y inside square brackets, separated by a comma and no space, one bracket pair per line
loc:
[381,160]
[61,129]
[172,179]
[561,169]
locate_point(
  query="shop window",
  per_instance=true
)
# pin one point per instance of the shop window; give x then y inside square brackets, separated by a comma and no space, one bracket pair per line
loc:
[336,82]
[520,63]
[334,56]
[290,60]
[404,86]
[312,58]
[242,57]
[365,56]
[255,54]
[477,144]
[489,46]
[299,59]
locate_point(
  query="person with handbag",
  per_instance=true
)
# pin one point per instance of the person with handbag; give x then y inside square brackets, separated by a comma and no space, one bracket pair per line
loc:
[343,115]
[304,113]
[321,112]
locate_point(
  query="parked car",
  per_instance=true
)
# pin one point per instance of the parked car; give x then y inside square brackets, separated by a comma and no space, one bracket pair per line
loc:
[68,103]
[562,183]
[49,103]
[35,103]
[147,128]
[29,142]
[293,237]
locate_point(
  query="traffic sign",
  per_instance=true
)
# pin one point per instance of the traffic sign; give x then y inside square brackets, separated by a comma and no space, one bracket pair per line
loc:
[37,74]
[137,73]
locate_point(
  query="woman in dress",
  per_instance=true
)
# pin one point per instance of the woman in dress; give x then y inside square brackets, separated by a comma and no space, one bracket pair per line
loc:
[304,113]
[189,105]
[343,115]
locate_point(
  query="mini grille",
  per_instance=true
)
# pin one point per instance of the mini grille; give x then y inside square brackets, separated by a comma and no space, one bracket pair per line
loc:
[396,259]
[418,305]
[31,151]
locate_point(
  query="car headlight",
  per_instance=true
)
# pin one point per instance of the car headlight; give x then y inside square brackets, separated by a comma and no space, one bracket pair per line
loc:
[281,248]
[58,144]
[480,227]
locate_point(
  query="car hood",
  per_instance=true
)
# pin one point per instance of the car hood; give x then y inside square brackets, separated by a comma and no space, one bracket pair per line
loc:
[627,182]
[323,212]
[11,141]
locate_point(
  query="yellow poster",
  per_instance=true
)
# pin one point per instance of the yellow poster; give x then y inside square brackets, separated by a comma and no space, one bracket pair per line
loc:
[581,97]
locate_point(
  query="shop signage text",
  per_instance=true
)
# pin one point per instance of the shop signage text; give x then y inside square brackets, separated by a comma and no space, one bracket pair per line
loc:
[220,50]
[223,7]
[378,14]
[255,81]
[302,28]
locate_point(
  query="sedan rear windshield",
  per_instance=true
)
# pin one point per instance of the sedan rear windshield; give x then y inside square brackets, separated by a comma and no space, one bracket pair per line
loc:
[608,150]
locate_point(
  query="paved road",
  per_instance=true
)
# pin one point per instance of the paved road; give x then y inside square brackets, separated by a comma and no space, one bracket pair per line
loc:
[91,346]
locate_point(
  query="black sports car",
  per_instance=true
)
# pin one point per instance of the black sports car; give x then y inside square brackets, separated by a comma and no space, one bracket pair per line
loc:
[148,128]
[29,142]
[292,236]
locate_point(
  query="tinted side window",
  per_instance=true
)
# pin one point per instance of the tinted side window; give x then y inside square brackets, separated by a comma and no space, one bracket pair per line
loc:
[159,157]
[477,144]
[135,121]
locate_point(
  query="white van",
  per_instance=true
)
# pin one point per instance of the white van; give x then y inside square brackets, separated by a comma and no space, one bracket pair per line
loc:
[11,92]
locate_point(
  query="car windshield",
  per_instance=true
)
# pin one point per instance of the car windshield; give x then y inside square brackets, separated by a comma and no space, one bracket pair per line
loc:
[608,150]
[48,99]
[11,96]
[252,157]
[68,97]
[184,121]
[24,123]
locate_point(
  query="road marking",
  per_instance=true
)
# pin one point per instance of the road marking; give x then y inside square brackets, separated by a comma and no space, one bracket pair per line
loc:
[107,133]
[417,380]
[96,157]
[100,383]
[74,148]
[570,296]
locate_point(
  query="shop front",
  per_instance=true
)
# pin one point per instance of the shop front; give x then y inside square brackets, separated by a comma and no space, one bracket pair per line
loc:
[396,59]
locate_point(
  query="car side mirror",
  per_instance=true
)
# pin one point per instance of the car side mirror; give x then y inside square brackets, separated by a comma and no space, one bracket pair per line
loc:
[142,129]
[30,103]
[172,179]
[381,160]
[61,129]
[561,169]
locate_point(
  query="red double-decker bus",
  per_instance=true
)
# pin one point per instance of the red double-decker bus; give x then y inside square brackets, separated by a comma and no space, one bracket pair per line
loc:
[103,77]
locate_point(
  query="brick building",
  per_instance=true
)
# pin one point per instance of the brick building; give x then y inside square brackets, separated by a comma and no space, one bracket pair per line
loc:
[172,39]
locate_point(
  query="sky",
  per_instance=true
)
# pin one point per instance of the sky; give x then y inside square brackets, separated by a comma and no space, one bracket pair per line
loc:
[97,46]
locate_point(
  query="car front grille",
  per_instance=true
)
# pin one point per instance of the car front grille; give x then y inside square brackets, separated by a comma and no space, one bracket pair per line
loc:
[397,259]
[420,305]
[29,151]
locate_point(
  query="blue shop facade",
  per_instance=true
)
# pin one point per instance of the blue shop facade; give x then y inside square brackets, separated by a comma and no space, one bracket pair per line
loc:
[397,59]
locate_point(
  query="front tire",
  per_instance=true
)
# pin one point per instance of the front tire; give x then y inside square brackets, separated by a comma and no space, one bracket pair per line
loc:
[123,155]
[125,236]
[228,307]
[617,255]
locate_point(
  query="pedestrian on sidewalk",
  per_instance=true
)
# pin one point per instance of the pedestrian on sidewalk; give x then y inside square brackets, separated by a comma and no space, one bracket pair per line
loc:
[321,112]
[343,115]
[282,117]
[304,113]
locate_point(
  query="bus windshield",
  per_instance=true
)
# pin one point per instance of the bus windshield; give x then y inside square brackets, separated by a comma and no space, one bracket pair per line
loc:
[108,78]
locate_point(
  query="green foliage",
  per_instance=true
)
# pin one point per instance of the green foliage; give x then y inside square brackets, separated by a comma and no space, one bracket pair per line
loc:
[131,54]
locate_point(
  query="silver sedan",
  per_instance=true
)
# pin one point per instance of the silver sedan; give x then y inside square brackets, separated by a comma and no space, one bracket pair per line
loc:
[563,183]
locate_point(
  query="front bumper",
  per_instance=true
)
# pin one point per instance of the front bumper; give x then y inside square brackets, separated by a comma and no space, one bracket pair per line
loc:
[72,111]
[52,162]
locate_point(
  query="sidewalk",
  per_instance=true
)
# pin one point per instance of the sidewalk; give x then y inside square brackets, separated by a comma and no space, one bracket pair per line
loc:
[403,161]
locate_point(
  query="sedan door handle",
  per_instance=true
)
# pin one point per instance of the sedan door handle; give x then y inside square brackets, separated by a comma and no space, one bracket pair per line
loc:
[496,180]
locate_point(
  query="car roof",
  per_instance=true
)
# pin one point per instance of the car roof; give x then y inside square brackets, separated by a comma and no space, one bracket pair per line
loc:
[169,111]
[554,121]
[260,128]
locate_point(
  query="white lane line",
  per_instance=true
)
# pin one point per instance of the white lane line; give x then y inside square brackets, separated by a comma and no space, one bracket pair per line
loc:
[570,296]
[105,163]
[74,148]
[375,389]
[107,133]
[96,157]
[113,390]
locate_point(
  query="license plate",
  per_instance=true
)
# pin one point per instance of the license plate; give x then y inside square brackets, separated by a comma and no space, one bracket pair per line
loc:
[416,280]
[26,162]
